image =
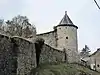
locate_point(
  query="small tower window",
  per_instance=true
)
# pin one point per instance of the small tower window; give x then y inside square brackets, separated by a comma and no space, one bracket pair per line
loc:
[66,37]
[98,65]
[59,28]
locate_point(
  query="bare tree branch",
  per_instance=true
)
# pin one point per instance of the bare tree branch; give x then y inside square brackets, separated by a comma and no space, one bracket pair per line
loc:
[97,4]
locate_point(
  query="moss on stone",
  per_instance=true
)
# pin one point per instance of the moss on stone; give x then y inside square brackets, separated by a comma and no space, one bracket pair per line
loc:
[63,69]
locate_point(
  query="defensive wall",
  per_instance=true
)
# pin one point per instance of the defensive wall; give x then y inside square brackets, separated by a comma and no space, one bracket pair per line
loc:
[18,56]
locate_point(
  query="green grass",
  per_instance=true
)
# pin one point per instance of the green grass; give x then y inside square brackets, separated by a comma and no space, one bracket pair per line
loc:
[63,69]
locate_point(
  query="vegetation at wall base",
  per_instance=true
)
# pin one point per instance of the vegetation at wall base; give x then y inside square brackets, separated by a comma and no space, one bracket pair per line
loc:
[62,69]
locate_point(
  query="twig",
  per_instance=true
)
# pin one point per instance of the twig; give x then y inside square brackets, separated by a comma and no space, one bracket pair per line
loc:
[97,4]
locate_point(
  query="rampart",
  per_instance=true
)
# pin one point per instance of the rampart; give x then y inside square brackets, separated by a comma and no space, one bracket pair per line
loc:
[49,54]
[26,56]
[18,56]
[49,37]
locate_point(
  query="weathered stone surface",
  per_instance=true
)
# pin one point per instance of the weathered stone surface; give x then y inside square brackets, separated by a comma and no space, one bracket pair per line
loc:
[49,54]
[49,38]
[8,61]
[63,37]
[26,56]
[67,38]
[17,56]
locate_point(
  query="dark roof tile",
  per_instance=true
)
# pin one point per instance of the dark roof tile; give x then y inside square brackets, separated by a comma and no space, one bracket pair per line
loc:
[66,20]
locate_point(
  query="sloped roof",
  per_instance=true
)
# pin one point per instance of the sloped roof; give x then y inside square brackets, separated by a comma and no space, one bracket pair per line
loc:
[98,50]
[66,20]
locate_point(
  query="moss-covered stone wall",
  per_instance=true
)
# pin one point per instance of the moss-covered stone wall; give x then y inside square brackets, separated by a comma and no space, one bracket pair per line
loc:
[17,56]
[26,57]
[49,54]
[8,61]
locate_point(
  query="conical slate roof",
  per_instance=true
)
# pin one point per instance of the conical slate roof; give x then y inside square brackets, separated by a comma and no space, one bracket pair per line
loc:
[66,20]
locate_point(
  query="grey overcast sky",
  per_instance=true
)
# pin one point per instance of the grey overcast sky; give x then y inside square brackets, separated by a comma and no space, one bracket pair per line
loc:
[45,14]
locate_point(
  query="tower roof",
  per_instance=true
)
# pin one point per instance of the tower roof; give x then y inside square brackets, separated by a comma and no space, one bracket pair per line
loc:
[66,20]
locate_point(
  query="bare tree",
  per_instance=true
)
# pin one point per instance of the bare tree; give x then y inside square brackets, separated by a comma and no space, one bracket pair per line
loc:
[20,26]
[97,4]
[85,52]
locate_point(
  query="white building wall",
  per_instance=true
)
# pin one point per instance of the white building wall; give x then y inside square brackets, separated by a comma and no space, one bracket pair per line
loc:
[95,59]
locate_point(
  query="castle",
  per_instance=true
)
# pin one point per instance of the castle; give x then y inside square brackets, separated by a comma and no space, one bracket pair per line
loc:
[64,37]
[18,56]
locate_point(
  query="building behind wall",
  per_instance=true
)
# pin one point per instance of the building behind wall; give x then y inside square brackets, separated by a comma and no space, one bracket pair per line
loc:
[63,37]
[93,60]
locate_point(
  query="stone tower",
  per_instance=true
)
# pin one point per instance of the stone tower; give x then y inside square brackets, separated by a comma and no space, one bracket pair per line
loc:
[66,38]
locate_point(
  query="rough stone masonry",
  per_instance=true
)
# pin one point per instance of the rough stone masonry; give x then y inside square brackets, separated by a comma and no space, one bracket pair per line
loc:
[19,56]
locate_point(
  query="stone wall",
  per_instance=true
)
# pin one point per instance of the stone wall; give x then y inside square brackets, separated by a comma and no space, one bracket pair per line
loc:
[67,39]
[26,58]
[63,37]
[8,62]
[49,38]
[49,54]
[17,56]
